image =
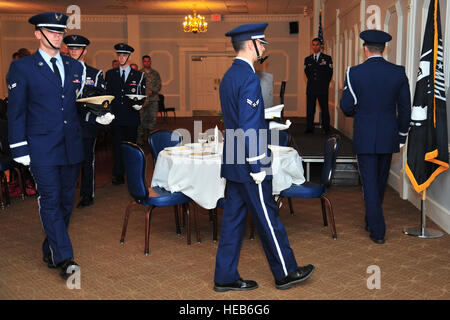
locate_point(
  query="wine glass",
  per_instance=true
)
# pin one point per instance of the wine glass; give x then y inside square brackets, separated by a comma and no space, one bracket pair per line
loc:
[202,138]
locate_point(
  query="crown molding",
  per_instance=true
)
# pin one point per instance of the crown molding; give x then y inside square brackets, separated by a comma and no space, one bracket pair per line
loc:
[168,18]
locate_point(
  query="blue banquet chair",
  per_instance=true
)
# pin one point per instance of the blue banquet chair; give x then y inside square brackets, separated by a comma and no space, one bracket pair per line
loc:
[309,190]
[151,198]
[163,110]
[161,139]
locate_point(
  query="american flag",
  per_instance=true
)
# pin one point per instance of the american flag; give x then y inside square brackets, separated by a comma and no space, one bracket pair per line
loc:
[320,34]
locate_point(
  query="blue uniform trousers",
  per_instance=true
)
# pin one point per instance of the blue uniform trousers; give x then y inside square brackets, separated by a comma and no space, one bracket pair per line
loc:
[311,99]
[88,168]
[374,172]
[120,134]
[256,199]
[56,189]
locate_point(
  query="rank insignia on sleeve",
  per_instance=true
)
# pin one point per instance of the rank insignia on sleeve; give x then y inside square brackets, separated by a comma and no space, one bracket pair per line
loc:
[253,104]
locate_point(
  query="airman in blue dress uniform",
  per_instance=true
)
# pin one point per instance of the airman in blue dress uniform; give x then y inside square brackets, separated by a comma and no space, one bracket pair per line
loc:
[319,71]
[45,133]
[246,161]
[120,82]
[376,93]
[93,84]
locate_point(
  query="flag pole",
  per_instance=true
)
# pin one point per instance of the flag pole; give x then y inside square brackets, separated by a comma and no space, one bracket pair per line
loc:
[422,231]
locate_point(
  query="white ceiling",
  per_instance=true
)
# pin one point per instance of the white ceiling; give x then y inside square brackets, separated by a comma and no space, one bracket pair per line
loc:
[159,7]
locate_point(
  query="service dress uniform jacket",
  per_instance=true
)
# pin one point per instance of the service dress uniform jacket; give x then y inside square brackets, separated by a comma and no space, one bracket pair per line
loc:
[94,83]
[127,119]
[376,93]
[44,124]
[121,107]
[319,74]
[41,125]
[245,152]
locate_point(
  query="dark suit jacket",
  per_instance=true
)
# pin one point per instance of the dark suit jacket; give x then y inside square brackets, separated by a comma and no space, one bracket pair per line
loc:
[125,114]
[94,83]
[43,120]
[243,114]
[319,73]
[377,94]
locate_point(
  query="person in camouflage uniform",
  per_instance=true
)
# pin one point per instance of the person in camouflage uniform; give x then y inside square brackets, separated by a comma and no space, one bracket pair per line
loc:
[149,112]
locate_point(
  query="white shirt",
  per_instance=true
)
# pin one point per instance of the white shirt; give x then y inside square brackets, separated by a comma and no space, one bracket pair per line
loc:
[251,64]
[316,56]
[59,63]
[375,57]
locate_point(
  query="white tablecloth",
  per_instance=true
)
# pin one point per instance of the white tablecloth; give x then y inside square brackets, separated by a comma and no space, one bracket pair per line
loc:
[199,177]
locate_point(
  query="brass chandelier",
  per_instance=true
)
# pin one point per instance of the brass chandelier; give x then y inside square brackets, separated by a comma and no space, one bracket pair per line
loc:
[195,23]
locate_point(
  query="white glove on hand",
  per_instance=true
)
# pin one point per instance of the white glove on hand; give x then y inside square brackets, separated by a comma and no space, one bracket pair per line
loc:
[25,160]
[401,145]
[258,177]
[137,107]
[105,119]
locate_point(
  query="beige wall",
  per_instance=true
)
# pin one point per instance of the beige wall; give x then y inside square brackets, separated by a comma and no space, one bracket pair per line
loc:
[162,38]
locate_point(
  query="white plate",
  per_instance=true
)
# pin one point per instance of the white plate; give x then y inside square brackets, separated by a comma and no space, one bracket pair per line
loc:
[177,150]
[203,156]
[196,146]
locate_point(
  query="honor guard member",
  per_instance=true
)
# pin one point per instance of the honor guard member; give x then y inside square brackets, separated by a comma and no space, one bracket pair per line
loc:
[120,82]
[245,159]
[376,93]
[44,132]
[93,84]
[319,71]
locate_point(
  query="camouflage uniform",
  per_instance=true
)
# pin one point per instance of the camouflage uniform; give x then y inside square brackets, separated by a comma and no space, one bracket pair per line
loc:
[149,112]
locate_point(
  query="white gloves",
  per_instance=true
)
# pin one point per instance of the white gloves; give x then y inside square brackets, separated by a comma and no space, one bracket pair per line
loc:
[401,145]
[25,160]
[258,177]
[137,107]
[105,119]
[279,126]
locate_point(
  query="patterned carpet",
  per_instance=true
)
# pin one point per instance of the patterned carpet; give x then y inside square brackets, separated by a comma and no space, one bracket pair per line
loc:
[410,268]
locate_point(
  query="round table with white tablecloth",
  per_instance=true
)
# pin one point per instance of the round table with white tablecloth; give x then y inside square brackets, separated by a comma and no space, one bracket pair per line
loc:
[196,172]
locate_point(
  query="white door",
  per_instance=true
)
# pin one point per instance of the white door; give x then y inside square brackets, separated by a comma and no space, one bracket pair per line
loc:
[206,73]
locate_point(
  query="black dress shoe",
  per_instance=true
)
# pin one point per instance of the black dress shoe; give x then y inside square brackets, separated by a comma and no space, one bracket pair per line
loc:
[85,202]
[118,180]
[49,261]
[67,267]
[377,240]
[299,275]
[238,285]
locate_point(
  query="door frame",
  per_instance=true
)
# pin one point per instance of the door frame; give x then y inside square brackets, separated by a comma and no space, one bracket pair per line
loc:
[190,75]
[185,53]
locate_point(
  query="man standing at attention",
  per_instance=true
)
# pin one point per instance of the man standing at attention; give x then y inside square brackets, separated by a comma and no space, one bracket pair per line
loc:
[120,82]
[44,132]
[376,93]
[319,71]
[149,112]
[245,161]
